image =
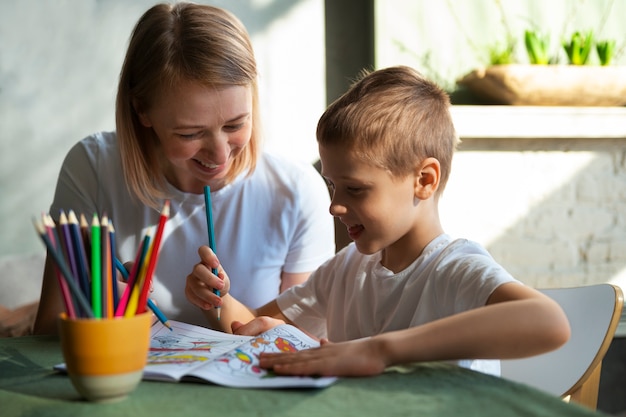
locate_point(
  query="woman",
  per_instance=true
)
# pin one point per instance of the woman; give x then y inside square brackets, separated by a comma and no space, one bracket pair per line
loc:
[187,116]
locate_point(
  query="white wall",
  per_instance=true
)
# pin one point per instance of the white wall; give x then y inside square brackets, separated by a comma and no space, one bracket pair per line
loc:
[550,210]
[59,63]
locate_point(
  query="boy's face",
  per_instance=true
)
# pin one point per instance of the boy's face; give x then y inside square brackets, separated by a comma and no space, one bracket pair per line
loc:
[377,208]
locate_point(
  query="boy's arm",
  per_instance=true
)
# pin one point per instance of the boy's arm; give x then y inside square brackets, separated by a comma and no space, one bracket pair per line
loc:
[239,319]
[516,322]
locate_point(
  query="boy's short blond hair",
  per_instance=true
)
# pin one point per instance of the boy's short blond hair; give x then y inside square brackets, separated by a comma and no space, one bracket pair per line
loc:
[393,118]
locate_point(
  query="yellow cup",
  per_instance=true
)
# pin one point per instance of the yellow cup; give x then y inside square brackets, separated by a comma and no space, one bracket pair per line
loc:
[105,357]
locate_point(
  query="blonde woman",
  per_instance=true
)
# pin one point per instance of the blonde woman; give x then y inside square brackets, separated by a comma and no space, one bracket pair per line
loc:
[187,116]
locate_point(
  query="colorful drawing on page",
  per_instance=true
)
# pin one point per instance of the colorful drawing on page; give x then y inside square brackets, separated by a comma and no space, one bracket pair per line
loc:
[187,347]
[245,358]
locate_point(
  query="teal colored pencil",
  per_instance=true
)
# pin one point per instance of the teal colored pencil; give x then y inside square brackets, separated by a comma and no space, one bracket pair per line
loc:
[157,312]
[96,268]
[209,223]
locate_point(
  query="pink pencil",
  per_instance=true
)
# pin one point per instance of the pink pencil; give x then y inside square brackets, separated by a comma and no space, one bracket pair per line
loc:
[132,277]
[154,255]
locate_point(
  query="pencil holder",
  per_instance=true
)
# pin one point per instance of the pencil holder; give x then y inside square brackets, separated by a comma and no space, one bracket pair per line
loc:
[105,358]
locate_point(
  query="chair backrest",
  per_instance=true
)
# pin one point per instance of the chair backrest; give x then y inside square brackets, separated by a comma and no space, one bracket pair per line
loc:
[573,370]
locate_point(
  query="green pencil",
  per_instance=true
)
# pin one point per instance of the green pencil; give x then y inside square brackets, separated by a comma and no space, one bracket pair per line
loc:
[96,271]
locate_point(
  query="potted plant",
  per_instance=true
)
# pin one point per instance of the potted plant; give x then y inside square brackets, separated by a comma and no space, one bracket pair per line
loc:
[543,81]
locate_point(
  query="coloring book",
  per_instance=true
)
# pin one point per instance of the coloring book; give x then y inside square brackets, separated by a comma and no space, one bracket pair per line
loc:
[194,353]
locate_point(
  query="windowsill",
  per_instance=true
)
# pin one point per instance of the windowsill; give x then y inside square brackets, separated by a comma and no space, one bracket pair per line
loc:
[539,122]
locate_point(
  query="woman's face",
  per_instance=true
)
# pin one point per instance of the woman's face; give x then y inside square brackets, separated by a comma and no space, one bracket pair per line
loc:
[201,130]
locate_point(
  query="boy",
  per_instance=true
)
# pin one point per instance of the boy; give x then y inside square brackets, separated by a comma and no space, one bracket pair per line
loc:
[404,291]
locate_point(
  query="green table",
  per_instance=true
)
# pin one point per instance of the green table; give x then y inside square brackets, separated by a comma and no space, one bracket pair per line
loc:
[29,387]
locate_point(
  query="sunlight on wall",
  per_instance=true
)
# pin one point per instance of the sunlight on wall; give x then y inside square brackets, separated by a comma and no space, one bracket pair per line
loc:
[489,192]
[620,279]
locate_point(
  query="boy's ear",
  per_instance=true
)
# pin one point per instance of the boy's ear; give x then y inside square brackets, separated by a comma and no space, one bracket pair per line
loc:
[427,178]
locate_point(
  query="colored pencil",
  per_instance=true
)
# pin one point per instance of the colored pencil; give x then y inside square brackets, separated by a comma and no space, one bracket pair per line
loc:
[85,231]
[154,257]
[67,247]
[116,298]
[81,253]
[96,268]
[66,242]
[209,222]
[107,272]
[130,282]
[133,301]
[50,228]
[65,271]
[157,312]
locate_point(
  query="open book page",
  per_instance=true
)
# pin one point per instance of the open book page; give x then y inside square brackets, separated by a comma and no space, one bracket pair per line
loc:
[174,353]
[193,352]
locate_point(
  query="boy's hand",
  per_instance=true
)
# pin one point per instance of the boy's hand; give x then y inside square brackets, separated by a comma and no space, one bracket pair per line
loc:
[201,282]
[256,326]
[359,357]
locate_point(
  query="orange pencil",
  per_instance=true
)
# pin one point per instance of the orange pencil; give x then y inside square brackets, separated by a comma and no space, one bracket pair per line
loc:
[154,256]
[104,264]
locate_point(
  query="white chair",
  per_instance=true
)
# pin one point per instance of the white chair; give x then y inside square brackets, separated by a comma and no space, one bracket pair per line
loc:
[573,370]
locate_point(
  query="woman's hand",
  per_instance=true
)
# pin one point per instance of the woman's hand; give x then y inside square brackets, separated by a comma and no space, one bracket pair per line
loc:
[202,282]
[361,357]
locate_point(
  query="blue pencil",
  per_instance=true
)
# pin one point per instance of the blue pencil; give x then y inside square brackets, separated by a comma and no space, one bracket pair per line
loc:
[81,254]
[157,312]
[209,223]
[67,245]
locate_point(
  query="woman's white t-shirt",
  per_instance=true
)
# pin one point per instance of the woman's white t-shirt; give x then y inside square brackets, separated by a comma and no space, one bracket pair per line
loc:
[272,221]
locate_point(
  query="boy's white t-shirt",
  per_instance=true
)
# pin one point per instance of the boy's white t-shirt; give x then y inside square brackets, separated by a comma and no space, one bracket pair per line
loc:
[353,296]
[277,219]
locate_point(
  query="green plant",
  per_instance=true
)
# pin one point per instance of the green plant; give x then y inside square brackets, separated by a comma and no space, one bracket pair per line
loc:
[502,54]
[578,48]
[605,50]
[537,45]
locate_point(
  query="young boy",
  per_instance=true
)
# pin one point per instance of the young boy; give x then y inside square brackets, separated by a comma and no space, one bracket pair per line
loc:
[404,291]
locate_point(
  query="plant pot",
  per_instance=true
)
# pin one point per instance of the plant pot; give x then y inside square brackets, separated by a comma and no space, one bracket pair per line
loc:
[549,85]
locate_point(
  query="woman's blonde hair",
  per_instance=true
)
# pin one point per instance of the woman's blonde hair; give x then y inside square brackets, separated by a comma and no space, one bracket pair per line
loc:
[171,44]
[392,118]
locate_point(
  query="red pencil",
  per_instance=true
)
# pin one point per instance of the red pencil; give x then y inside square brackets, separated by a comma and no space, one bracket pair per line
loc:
[130,282]
[154,255]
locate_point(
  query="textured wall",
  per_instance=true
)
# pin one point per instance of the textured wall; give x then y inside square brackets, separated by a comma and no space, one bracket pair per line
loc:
[59,63]
[551,217]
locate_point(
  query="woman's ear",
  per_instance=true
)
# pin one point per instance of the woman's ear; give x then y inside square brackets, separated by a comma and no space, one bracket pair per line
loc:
[143,117]
[427,178]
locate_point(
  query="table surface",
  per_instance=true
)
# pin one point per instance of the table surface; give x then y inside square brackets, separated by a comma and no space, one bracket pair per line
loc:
[30,387]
